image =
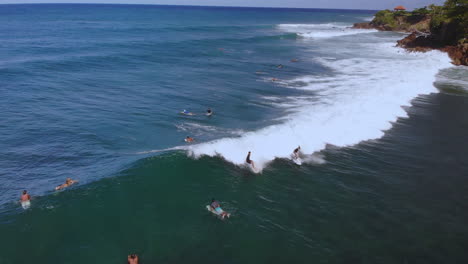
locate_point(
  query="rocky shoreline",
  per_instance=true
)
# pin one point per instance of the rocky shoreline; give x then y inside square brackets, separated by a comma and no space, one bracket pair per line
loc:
[423,36]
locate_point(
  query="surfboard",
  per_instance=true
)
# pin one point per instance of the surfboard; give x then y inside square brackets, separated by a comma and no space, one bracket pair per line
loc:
[26,204]
[296,160]
[208,207]
[187,114]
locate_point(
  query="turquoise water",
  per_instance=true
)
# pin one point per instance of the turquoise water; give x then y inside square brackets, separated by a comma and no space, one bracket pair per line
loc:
[93,92]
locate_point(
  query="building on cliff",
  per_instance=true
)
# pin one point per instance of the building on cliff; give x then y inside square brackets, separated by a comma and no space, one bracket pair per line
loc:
[399,8]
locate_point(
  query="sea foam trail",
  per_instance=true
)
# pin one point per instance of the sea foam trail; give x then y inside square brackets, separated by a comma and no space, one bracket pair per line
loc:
[357,103]
[328,30]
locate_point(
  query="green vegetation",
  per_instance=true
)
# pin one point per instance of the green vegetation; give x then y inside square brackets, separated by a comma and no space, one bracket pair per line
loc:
[453,14]
[449,21]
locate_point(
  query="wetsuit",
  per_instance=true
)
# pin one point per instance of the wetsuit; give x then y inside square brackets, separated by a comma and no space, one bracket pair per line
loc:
[248,159]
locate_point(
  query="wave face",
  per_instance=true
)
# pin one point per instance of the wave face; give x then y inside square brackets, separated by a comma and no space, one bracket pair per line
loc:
[369,83]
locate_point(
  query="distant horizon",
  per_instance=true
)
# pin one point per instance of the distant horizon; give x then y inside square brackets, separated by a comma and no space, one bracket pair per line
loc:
[278,4]
[183,5]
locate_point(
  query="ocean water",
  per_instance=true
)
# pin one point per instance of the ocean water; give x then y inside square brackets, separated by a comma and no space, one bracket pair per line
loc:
[94,92]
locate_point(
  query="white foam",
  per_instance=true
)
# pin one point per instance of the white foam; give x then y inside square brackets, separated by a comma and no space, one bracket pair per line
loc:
[360,97]
[328,30]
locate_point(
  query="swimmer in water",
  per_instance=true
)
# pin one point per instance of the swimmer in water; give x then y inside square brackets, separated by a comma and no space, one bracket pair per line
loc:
[249,161]
[25,197]
[296,152]
[132,259]
[189,139]
[68,183]
[217,208]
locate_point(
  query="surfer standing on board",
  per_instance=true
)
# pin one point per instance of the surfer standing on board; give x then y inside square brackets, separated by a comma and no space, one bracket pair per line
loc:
[249,161]
[296,152]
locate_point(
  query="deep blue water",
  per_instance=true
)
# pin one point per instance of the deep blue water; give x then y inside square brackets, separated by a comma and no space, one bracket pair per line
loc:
[94,92]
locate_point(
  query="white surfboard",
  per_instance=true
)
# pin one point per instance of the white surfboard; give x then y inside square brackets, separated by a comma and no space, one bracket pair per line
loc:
[187,113]
[296,160]
[26,204]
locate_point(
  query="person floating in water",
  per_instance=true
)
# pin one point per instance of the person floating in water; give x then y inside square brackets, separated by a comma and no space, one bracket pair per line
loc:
[68,183]
[25,197]
[189,139]
[217,208]
[132,259]
[25,200]
[249,161]
[296,152]
[209,112]
[279,66]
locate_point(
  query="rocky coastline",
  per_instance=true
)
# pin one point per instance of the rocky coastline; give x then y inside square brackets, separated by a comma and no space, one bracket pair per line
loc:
[424,34]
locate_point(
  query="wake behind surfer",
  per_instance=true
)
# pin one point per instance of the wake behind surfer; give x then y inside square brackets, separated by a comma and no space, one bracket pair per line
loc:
[249,161]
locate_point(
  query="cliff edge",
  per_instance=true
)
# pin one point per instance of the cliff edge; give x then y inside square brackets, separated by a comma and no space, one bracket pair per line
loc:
[435,27]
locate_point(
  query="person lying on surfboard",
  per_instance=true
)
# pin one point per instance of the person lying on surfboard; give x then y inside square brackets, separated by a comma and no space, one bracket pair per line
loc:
[249,161]
[217,208]
[185,112]
[296,152]
[209,112]
[189,139]
[68,183]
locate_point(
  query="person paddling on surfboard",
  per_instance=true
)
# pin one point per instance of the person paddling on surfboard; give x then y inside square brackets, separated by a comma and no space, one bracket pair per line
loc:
[217,209]
[209,112]
[132,259]
[296,152]
[68,183]
[185,112]
[189,139]
[249,161]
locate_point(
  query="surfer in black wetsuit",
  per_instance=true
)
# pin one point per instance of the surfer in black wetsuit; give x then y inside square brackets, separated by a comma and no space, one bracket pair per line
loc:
[209,112]
[296,152]
[249,161]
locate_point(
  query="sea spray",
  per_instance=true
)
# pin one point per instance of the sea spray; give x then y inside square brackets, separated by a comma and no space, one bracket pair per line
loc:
[358,102]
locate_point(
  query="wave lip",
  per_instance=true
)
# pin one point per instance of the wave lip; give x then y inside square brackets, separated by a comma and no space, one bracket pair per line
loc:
[357,101]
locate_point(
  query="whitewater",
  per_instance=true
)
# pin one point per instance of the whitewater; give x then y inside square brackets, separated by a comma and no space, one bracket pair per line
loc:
[371,83]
